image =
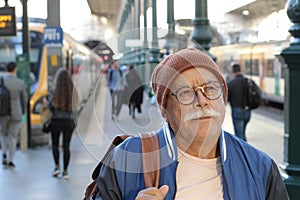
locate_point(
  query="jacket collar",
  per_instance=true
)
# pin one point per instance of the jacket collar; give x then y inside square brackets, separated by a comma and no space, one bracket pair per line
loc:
[223,149]
[172,146]
[170,141]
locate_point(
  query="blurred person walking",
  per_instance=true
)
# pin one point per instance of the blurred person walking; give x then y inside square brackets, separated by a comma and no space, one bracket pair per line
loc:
[116,86]
[133,91]
[236,94]
[10,124]
[63,104]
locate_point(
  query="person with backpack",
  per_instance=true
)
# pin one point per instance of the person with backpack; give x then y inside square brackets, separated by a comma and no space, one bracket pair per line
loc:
[197,159]
[10,123]
[116,84]
[240,114]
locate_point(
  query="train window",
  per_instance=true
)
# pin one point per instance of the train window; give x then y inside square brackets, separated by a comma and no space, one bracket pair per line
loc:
[248,67]
[270,68]
[36,38]
[251,67]
[34,61]
[7,54]
[255,70]
[34,54]
[19,48]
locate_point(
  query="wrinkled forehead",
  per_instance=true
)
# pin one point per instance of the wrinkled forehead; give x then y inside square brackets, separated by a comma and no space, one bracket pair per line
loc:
[193,77]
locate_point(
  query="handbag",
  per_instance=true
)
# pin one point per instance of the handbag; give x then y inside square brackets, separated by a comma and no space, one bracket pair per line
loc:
[45,114]
[46,119]
[47,126]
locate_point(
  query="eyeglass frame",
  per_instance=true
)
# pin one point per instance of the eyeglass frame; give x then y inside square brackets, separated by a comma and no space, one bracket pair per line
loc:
[195,89]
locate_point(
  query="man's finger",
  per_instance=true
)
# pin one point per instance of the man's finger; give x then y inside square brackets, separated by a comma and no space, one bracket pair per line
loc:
[153,193]
[164,190]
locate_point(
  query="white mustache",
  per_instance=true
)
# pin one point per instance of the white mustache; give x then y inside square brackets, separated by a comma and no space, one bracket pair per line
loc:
[200,113]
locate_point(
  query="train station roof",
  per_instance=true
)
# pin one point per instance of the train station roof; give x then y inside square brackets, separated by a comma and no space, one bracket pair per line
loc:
[260,7]
[110,9]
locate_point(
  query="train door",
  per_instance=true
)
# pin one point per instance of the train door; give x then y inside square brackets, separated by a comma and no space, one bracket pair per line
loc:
[279,69]
[54,62]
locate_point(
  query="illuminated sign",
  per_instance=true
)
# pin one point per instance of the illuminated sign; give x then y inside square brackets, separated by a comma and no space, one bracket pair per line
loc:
[53,35]
[7,21]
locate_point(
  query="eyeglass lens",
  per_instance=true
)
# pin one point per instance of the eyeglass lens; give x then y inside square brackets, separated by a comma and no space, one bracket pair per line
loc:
[212,90]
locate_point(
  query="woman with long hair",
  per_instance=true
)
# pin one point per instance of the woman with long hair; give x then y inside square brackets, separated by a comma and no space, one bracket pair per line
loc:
[63,104]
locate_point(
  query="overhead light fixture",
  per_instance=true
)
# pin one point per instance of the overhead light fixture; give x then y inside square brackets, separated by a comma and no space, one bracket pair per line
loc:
[108,34]
[245,12]
[103,20]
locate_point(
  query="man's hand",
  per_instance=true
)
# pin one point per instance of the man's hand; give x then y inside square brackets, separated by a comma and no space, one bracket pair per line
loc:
[153,193]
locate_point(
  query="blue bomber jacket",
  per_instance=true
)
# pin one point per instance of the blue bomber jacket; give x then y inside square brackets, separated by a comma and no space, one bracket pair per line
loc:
[247,172]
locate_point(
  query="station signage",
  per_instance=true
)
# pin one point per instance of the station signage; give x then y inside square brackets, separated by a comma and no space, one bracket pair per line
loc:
[8,21]
[53,35]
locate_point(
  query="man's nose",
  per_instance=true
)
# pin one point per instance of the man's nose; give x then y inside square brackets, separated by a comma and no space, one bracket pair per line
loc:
[201,98]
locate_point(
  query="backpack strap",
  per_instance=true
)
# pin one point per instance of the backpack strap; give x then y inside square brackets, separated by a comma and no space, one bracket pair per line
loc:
[245,92]
[151,159]
[117,140]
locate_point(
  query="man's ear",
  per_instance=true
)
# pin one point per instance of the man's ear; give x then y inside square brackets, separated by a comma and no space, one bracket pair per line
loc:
[15,70]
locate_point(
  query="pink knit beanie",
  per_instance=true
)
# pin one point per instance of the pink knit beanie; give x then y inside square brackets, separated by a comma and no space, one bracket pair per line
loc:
[165,72]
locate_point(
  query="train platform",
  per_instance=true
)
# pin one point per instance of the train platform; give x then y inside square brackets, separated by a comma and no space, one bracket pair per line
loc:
[32,179]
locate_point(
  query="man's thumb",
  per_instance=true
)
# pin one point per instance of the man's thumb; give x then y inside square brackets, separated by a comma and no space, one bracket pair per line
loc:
[164,190]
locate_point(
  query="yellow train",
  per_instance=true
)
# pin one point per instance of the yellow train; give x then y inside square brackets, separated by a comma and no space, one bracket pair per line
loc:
[83,64]
[261,62]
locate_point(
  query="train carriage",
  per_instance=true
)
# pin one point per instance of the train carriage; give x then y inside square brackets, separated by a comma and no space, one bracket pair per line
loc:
[261,62]
[80,61]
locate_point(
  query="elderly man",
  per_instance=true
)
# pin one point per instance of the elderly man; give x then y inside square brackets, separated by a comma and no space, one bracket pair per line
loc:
[198,160]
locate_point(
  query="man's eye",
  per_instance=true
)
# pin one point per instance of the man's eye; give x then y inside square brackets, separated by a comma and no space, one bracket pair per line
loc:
[185,93]
[210,89]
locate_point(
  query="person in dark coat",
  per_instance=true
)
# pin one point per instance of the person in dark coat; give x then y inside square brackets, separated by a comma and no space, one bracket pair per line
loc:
[134,91]
[236,93]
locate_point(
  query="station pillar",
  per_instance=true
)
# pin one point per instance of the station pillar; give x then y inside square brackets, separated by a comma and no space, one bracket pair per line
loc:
[154,51]
[53,10]
[26,129]
[144,53]
[170,37]
[202,34]
[291,56]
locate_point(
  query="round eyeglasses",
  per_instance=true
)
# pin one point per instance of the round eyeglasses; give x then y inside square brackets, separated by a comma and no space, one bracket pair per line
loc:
[211,90]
